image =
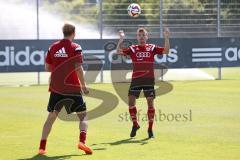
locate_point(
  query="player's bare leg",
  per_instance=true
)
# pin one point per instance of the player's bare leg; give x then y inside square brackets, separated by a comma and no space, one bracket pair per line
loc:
[46,131]
[133,114]
[151,114]
[83,132]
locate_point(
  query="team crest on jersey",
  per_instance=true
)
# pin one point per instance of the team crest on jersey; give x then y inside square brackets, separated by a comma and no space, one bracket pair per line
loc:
[148,49]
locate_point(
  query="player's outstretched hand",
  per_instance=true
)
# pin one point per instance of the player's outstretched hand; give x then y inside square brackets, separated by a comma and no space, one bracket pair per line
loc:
[85,90]
[166,32]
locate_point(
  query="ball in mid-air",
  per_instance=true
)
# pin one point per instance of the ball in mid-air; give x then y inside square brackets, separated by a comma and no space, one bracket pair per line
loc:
[134,10]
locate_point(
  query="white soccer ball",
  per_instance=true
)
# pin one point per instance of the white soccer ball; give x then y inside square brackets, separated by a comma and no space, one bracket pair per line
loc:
[134,10]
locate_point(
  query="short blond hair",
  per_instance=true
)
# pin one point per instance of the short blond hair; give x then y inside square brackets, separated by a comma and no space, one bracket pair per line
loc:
[68,29]
[141,29]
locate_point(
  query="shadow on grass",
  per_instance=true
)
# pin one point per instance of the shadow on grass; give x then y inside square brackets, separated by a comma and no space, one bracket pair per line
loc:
[99,149]
[63,157]
[126,141]
[45,157]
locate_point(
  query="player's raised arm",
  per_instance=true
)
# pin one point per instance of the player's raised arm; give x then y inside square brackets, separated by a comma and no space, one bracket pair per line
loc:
[166,34]
[120,49]
[120,42]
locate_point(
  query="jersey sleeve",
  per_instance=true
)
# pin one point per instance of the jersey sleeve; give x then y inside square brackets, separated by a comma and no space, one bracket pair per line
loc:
[78,54]
[48,58]
[127,51]
[158,50]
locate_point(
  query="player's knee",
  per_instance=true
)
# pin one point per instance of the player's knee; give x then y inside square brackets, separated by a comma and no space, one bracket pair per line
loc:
[52,116]
[150,102]
[82,116]
[83,120]
[50,121]
[131,101]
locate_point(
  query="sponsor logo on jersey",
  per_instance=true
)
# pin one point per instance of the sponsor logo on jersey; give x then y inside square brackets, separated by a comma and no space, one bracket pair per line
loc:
[143,54]
[61,53]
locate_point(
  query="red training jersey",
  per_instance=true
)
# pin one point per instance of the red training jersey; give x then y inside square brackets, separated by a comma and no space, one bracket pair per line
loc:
[143,59]
[63,56]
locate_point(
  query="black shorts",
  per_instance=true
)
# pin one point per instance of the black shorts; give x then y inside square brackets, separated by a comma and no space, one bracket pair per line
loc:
[72,103]
[145,84]
[148,91]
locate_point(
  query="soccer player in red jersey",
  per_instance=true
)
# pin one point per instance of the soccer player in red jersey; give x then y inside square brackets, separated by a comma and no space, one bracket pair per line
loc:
[142,56]
[63,60]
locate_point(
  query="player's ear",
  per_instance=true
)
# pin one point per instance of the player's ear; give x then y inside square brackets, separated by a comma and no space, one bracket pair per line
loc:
[146,35]
[74,34]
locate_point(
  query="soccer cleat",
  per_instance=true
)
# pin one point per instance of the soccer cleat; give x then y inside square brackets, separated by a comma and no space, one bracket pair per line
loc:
[85,148]
[134,131]
[150,134]
[41,152]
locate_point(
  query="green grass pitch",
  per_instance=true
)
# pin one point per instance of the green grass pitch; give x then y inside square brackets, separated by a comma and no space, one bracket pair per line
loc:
[213,133]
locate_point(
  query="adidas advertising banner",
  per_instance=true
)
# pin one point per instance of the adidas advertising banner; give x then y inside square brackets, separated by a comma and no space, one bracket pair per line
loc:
[29,55]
